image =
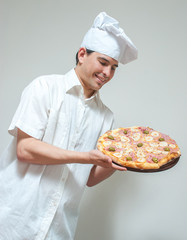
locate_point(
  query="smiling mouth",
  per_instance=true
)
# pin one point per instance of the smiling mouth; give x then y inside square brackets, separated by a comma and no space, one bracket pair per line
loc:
[101,79]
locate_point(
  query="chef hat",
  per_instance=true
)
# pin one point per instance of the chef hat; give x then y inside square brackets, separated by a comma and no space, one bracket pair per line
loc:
[106,37]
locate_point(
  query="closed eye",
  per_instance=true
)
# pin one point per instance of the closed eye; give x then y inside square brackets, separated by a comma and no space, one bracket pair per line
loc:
[103,63]
[106,62]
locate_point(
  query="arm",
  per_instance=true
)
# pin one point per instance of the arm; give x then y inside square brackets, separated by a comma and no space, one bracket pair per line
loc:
[99,173]
[34,151]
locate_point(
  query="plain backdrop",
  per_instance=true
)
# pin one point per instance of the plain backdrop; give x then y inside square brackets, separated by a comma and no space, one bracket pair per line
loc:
[40,37]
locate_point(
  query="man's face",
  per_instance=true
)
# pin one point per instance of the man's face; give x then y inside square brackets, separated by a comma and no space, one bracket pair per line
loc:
[96,69]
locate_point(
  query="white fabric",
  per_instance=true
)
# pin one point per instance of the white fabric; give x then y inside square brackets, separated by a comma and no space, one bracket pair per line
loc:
[40,202]
[106,37]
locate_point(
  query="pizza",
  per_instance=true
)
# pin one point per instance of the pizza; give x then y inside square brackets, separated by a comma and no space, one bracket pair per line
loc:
[138,147]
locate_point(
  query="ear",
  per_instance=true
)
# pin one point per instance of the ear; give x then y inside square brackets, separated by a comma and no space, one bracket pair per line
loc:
[81,54]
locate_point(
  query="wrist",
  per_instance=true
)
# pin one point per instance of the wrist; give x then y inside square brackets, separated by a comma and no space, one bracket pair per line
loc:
[82,157]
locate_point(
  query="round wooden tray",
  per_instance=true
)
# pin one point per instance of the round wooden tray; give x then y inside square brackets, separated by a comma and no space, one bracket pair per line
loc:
[166,166]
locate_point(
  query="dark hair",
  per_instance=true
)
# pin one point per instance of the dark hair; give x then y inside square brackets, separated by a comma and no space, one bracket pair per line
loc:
[88,52]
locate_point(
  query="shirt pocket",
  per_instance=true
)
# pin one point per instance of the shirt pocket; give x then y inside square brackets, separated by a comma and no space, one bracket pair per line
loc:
[57,128]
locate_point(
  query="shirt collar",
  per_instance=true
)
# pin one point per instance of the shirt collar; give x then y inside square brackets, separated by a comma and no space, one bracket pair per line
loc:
[73,81]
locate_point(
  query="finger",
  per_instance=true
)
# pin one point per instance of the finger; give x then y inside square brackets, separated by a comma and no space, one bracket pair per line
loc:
[110,161]
[117,167]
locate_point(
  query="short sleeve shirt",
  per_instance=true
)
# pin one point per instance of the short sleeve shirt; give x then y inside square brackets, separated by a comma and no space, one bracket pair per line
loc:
[42,201]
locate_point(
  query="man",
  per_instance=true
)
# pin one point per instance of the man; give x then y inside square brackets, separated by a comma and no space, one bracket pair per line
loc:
[50,160]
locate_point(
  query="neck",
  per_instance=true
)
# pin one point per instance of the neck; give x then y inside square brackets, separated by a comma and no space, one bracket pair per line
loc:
[87,92]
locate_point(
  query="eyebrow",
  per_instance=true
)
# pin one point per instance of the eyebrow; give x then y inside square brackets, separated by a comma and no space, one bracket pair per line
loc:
[102,58]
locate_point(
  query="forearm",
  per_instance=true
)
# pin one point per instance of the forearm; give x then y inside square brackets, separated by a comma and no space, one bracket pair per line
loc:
[37,152]
[98,174]
[34,151]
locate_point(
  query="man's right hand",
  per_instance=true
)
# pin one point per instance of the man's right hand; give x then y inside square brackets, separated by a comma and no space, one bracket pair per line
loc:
[98,158]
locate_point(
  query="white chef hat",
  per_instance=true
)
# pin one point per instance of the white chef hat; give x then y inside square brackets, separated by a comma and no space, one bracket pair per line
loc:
[106,37]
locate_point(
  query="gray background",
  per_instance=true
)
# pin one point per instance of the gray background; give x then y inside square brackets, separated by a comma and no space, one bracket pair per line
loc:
[42,37]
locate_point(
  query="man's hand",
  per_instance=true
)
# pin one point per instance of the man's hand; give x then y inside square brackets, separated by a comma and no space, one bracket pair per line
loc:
[98,158]
[102,169]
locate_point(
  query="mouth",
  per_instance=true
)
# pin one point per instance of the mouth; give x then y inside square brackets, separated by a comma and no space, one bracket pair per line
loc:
[100,79]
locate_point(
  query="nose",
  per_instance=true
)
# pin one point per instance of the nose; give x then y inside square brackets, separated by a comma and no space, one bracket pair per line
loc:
[107,72]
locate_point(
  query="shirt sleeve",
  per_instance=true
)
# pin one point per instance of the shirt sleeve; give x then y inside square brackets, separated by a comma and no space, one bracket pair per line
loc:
[31,115]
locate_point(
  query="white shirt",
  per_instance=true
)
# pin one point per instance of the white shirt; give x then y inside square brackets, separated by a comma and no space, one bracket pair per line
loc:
[40,202]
